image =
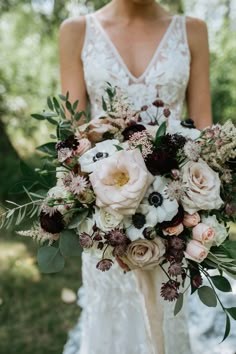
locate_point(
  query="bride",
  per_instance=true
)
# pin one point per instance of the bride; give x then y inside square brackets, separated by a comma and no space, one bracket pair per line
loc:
[148,53]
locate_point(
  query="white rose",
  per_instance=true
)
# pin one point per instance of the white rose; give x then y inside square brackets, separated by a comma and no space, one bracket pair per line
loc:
[202,185]
[220,231]
[106,221]
[90,159]
[121,181]
[175,127]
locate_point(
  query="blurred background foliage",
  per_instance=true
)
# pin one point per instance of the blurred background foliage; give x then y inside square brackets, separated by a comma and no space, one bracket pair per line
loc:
[31,305]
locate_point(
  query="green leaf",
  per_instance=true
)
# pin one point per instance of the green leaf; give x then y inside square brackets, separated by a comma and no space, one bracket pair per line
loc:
[69,244]
[49,103]
[56,105]
[221,283]
[69,107]
[52,121]
[37,116]
[49,148]
[227,328]
[207,296]
[26,170]
[78,115]
[230,246]
[67,95]
[119,148]
[62,97]
[179,304]
[104,105]
[50,260]
[75,105]
[160,132]
[232,312]
[78,219]
[52,136]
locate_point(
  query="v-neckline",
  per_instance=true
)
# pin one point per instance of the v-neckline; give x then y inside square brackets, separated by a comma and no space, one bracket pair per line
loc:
[119,57]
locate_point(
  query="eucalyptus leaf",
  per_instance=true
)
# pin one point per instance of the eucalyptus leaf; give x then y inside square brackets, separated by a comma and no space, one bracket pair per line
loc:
[49,103]
[49,148]
[179,304]
[119,148]
[52,121]
[221,283]
[77,219]
[207,296]
[62,97]
[232,312]
[50,260]
[69,244]
[37,116]
[227,327]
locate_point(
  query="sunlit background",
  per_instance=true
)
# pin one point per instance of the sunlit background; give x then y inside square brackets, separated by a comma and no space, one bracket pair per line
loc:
[37,311]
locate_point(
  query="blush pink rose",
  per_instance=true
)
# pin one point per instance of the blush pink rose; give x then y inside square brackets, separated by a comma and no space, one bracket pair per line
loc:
[84,145]
[120,182]
[174,230]
[191,220]
[196,251]
[203,233]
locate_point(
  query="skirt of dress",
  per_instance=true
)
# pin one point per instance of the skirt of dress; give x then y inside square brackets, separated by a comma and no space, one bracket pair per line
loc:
[113,317]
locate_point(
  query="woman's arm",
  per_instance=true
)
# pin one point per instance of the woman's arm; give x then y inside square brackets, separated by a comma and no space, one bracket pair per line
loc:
[198,92]
[71,39]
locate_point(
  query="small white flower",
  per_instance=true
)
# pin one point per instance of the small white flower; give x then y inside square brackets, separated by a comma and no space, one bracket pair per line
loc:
[89,160]
[60,194]
[106,221]
[156,205]
[192,150]
[220,231]
[78,184]
[175,127]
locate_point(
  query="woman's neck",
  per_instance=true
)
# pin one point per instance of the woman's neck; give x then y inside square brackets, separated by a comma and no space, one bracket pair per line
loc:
[129,9]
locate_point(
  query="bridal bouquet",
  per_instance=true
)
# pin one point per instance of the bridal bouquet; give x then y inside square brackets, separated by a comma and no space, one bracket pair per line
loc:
[140,189]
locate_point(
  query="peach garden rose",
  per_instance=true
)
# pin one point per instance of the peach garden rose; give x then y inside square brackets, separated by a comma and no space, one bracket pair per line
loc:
[196,251]
[120,182]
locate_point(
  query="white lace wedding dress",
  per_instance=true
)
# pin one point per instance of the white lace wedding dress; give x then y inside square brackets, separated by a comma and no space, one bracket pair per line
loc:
[113,317]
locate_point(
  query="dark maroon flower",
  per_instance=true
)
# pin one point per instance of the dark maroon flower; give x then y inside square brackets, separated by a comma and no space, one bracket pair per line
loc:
[70,143]
[104,265]
[100,246]
[197,280]
[144,108]
[175,269]
[158,103]
[177,219]
[172,143]
[52,223]
[166,112]
[97,237]
[188,123]
[134,128]
[169,290]
[120,250]
[160,162]
[176,243]
[116,237]
[85,240]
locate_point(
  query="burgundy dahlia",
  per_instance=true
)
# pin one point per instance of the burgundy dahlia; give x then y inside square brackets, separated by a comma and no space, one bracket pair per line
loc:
[105,264]
[52,223]
[169,290]
[172,143]
[85,240]
[134,128]
[160,162]
[70,143]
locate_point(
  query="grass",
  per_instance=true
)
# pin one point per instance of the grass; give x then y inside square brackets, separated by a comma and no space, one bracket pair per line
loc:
[33,318]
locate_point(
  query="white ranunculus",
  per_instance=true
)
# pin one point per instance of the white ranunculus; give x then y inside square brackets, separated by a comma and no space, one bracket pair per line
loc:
[106,221]
[202,185]
[220,231]
[175,127]
[156,206]
[121,182]
[90,159]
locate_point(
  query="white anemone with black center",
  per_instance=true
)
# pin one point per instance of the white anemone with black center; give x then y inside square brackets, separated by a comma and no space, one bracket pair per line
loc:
[156,206]
[90,159]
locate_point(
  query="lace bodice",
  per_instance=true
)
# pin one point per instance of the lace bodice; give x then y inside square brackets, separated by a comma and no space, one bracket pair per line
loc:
[166,76]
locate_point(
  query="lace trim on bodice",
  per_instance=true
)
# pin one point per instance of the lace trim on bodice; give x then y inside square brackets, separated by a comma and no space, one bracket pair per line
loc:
[166,76]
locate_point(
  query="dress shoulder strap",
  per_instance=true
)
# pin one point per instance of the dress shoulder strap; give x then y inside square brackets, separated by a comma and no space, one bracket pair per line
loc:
[88,34]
